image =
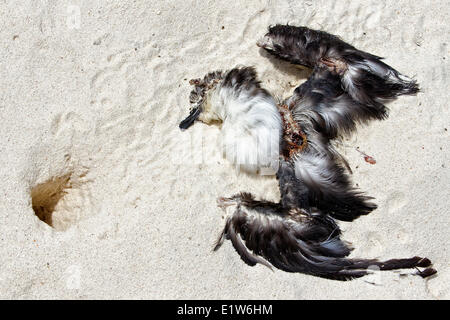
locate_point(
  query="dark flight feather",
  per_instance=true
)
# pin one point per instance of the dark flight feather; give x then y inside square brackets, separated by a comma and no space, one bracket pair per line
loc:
[324,112]
[295,240]
[364,76]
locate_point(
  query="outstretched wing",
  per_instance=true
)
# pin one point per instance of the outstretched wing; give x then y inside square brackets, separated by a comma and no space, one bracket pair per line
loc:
[261,232]
[332,110]
[364,76]
[324,111]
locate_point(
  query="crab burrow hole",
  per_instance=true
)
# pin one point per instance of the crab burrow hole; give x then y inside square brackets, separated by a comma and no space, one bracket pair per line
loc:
[55,200]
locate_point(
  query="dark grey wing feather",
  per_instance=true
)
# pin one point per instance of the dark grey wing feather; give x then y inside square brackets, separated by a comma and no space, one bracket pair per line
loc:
[371,81]
[331,111]
[329,186]
[263,232]
[364,76]
[315,176]
[247,256]
[324,112]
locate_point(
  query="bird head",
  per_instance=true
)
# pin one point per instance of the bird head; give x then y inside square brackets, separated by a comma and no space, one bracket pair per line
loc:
[199,96]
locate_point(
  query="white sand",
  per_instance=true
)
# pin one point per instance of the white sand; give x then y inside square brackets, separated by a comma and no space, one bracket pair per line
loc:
[98,96]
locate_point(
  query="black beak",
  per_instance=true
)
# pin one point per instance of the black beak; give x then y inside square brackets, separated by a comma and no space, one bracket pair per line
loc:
[190,119]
